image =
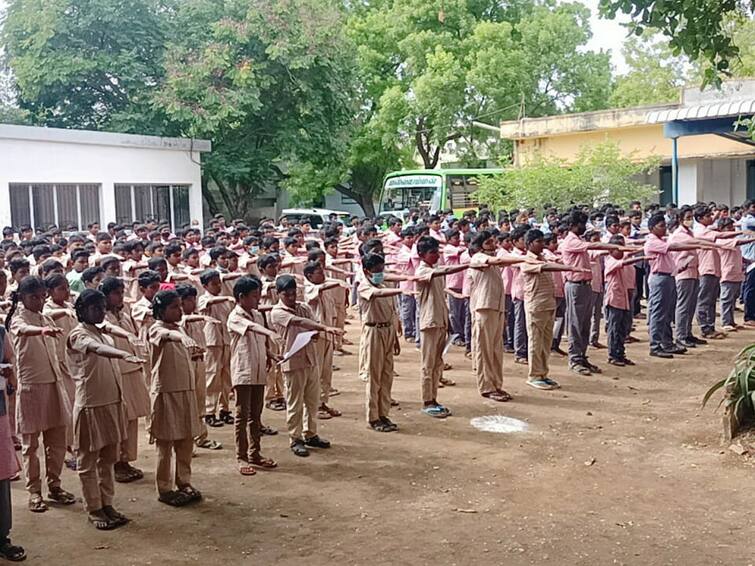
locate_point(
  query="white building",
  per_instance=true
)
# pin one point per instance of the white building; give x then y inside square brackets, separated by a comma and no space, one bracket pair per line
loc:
[73,178]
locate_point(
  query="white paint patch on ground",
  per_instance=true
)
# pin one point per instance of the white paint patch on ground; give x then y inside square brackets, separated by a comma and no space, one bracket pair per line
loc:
[499,424]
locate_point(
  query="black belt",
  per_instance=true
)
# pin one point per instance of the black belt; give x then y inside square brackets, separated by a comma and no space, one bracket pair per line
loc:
[659,273]
[378,324]
[588,282]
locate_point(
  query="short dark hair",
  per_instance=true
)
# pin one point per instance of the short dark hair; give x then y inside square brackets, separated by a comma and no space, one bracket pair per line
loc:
[311,267]
[285,283]
[246,285]
[576,217]
[208,275]
[426,245]
[161,301]
[655,220]
[110,284]
[90,273]
[147,278]
[372,260]
[185,290]
[532,235]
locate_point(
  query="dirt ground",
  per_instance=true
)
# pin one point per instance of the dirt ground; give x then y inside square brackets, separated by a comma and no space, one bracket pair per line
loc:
[619,468]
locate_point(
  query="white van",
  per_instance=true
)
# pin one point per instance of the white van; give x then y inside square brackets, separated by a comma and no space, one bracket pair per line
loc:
[316,216]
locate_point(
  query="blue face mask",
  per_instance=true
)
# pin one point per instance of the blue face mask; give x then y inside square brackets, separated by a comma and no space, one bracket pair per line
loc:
[378,278]
[254,249]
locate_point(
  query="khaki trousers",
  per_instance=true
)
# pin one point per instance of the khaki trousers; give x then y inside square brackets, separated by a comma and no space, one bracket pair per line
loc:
[200,390]
[341,319]
[54,440]
[487,349]
[218,379]
[274,383]
[325,358]
[249,402]
[378,359]
[302,399]
[432,341]
[183,449]
[540,338]
[96,474]
[129,445]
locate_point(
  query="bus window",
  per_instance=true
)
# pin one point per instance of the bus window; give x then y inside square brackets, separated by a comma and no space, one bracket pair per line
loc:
[461,189]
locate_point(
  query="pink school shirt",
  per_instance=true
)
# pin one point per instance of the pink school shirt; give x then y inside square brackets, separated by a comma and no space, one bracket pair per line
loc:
[574,253]
[558,276]
[732,270]
[452,256]
[466,287]
[517,285]
[405,265]
[617,294]
[660,257]
[630,277]
[596,265]
[686,262]
[507,273]
[710,260]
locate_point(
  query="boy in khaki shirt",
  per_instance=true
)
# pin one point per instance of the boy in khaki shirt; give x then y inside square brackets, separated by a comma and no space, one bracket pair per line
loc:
[433,321]
[301,375]
[540,307]
[250,356]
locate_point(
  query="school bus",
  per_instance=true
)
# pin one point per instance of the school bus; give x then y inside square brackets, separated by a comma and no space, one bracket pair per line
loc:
[430,189]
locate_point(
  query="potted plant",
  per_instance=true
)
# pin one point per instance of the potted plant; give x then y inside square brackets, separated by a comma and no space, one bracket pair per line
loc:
[739,397]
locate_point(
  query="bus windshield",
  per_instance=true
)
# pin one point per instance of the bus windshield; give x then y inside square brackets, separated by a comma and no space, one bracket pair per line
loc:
[403,192]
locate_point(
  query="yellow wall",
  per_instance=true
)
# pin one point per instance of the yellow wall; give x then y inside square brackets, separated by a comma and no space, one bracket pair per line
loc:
[646,141]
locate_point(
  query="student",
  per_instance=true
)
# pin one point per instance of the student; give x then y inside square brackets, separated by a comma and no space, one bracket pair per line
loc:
[60,310]
[99,414]
[686,275]
[732,273]
[250,356]
[433,322]
[323,304]
[174,419]
[618,302]
[193,325]
[141,311]
[517,295]
[488,311]
[407,300]
[596,264]
[454,283]
[379,341]
[274,396]
[124,331]
[288,319]
[43,406]
[92,277]
[578,291]
[218,306]
[551,255]
[662,287]
[9,467]
[540,307]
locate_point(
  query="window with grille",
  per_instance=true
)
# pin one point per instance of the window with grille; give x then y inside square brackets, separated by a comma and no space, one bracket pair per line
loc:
[462,188]
[164,204]
[70,206]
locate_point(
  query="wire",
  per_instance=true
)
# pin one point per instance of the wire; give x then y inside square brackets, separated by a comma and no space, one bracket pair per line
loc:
[472,119]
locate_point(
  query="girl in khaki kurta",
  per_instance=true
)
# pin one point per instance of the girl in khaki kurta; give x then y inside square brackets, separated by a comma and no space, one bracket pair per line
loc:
[99,412]
[59,308]
[174,418]
[43,406]
[124,330]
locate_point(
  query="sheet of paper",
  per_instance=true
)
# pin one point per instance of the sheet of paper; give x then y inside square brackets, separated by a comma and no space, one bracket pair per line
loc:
[3,383]
[300,342]
[448,344]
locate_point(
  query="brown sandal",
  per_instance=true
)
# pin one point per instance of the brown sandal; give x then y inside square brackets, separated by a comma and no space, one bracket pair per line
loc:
[501,396]
[247,470]
[37,504]
[330,410]
[264,463]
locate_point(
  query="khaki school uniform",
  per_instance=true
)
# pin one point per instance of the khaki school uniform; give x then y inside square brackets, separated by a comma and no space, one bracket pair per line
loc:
[487,307]
[67,323]
[249,375]
[433,326]
[218,356]
[275,373]
[195,330]
[376,347]
[43,405]
[323,306]
[174,418]
[133,383]
[300,374]
[540,311]
[99,414]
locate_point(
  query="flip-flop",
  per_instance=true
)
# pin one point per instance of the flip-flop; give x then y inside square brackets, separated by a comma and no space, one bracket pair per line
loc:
[37,504]
[247,470]
[380,426]
[61,496]
[12,553]
[193,494]
[496,396]
[549,381]
[174,498]
[209,444]
[435,411]
[102,524]
[118,518]
[264,463]
[539,384]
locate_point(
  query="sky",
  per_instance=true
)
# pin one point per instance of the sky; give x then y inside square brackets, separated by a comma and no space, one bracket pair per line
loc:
[607,34]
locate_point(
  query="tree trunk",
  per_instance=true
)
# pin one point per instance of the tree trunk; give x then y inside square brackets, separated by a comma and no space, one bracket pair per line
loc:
[363,200]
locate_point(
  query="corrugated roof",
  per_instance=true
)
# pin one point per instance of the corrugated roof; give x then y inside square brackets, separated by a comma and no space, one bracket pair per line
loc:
[700,111]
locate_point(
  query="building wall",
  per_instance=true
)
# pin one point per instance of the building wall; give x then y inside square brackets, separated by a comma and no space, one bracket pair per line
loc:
[642,141]
[33,161]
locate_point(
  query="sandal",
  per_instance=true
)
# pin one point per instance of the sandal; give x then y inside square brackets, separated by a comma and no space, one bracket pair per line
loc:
[268,431]
[552,383]
[101,521]
[60,495]
[521,361]
[209,444]
[37,504]
[246,469]
[174,498]
[394,403]
[276,405]
[333,392]
[447,382]
[447,366]
[379,426]
[436,411]
[125,473]
[540,384]
[118,518]
[390,424]
[324,415]
[12,553]
[298,448]
[193,494]
[330,410]
[264,463]
[581,370]
[72,464]
[501,397]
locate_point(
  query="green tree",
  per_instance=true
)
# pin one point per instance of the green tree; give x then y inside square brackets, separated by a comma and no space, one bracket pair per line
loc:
[600,174]
[695,28]
[269,82]
[655,74]
[87,63]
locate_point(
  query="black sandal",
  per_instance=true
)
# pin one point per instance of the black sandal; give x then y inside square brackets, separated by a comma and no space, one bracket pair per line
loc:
[390,424]
[174,498]
[37,504]
[380,426]
[298,448]
[101,521]
[118,518]
[193,494]
[60,495]
[12,553]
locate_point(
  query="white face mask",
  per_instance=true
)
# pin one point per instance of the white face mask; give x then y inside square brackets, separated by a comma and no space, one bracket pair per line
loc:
[687,223]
